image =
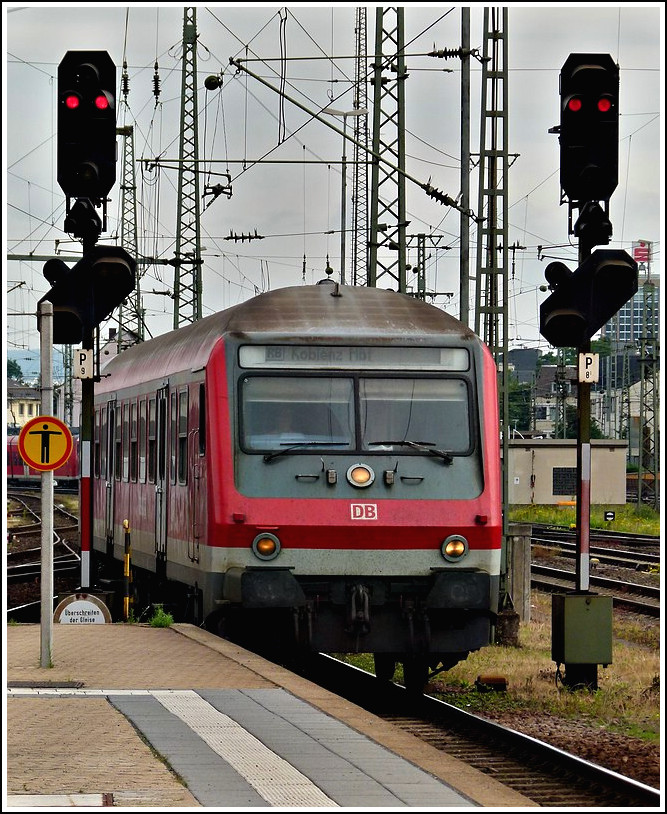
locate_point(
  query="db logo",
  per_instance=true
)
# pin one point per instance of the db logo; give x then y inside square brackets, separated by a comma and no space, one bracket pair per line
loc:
[364,511]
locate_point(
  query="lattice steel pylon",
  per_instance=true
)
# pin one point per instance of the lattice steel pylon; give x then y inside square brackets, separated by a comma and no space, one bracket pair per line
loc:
[491,291]
[131,314]
[649,445]
[387,231]
[491,294]
[187,263]
[360,157]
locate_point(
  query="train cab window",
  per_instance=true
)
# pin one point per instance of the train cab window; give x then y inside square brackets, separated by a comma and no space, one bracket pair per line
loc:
[152,441]
[183,437]
[430,411]
[118,460]
[281,411]
[134,444]
[142,441]
[202,419]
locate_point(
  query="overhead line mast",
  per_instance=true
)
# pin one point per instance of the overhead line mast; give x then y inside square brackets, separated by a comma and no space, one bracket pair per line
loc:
[187,263]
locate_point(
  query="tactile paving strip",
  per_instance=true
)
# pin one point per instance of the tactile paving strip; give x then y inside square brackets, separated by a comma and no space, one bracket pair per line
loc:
[277,781]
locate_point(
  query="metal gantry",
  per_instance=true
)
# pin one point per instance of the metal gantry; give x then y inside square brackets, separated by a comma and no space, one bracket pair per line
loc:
[387,232]
[187,262]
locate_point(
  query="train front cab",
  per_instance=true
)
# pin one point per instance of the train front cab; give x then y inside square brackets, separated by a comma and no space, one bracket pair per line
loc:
[380,584]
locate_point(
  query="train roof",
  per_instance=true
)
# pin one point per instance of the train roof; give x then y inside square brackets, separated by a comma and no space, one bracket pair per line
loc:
[326,312]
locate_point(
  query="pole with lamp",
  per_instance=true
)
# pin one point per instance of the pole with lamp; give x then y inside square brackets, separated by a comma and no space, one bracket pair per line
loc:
[343,214]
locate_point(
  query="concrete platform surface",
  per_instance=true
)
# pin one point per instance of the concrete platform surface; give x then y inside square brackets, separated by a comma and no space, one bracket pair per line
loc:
[135,716]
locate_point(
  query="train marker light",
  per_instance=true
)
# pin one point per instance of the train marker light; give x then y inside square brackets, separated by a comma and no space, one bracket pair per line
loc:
[454,548]
[266,546]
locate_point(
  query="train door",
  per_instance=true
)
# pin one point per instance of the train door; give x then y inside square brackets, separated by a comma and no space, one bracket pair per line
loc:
[161,480]
[109,474]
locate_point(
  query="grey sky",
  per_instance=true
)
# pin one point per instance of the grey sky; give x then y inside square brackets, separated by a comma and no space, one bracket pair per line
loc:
[295,205]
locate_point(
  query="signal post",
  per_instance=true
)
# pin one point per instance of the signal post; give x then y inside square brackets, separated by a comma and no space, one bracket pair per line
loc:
[85,295]
[582,301]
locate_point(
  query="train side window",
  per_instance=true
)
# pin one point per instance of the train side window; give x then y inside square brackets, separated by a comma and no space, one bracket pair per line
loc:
[162,439]
[142,441]
[97,445]
[152,441]
[202,419]
[126,441]
[173,437]
[183,436]
[118,461]
[134,463]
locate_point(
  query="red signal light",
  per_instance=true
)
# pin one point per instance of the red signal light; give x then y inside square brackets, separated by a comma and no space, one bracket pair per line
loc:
[101,102]
[574,104]
[604,104]
[72,101]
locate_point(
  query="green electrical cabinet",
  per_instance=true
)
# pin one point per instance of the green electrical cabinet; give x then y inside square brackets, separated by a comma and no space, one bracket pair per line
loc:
[581,630]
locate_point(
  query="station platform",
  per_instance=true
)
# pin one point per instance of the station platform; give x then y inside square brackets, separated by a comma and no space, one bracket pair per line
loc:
[135,716]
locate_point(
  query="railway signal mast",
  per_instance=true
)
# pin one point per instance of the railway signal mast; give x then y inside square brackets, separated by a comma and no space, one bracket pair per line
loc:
[83,296]
[582,301]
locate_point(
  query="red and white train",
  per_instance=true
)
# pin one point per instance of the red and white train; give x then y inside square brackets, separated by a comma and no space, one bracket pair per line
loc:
[315,468]
[19,473]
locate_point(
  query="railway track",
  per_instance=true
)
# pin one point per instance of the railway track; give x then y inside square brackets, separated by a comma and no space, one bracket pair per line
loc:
[548,776]
[639,598]
[615,539]
[24,566]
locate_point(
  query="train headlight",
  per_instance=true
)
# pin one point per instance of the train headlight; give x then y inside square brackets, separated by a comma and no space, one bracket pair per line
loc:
[454,548]
[360,475]
[266,546]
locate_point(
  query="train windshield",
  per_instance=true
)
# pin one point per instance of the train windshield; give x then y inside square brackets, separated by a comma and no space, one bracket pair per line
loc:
[280,412]
[320,412]
[431,412]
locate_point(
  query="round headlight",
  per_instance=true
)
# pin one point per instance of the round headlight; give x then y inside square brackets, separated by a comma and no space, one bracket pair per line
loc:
[454,548]
[266,546]
[360,475]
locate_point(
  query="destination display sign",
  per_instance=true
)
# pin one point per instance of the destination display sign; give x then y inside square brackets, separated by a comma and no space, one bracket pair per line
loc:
[328,357]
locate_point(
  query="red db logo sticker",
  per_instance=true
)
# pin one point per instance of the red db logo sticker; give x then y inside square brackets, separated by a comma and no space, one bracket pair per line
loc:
[364,511]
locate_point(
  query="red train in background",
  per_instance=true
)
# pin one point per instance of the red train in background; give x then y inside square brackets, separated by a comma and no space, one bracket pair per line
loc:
[317,469]
[19,473]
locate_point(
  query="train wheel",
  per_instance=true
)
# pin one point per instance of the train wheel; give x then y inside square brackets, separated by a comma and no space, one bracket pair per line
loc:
[385,666]
[415,674]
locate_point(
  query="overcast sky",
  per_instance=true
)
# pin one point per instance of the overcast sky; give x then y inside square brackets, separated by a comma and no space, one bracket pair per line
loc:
[296,206]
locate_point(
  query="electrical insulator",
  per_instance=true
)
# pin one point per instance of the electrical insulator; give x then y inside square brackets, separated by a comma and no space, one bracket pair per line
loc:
[156,84]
